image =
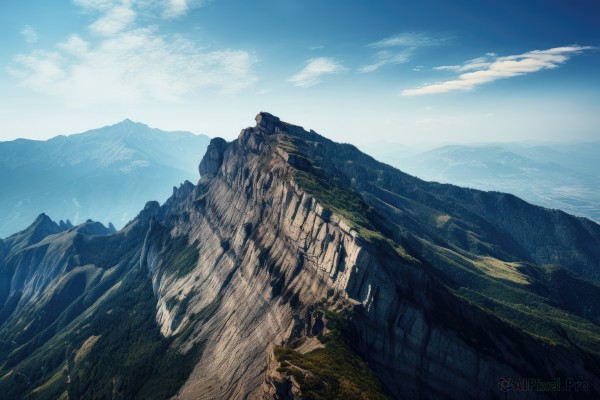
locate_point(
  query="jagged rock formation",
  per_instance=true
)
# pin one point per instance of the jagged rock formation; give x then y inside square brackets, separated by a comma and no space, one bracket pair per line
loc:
[285,231]
[213,158]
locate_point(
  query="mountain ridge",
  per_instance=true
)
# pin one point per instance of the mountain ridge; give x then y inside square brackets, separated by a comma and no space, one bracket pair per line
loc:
[289,237]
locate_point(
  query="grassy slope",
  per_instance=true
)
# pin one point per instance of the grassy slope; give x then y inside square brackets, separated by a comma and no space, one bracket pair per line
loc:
[331,372]
[342,200]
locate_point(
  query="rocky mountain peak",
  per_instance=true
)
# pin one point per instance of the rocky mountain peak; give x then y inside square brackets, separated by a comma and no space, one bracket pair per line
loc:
[270,124]
[65,225]
[267,122]
[42,227]
[42,219]
[213,158]
[130,123]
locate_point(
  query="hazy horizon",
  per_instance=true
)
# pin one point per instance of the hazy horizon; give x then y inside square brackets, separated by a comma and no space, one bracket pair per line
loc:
[414,145]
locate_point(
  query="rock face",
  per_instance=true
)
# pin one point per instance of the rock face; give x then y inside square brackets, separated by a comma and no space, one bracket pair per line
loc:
[213,158]
[282,222]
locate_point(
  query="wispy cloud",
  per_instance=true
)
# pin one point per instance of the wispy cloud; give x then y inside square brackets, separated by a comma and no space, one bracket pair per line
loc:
[95,5]
[162,8]
[177,8]
[75,46]
[29,34]
[399,49]
[409,39]
[122,63]
[384,57]
[492,68]
[474,64]
[314,70]
[115,20]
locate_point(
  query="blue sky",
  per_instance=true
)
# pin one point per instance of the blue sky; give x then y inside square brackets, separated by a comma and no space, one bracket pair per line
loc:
[354,70]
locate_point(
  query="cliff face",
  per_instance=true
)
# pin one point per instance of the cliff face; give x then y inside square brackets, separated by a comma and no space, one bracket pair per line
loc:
[285,232]
[265,255]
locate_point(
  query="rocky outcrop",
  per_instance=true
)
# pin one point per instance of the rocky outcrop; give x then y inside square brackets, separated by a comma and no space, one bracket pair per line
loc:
[213,158]
[267,122]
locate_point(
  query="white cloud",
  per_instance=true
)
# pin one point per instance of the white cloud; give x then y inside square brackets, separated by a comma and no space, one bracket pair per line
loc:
[163,8]
[474,64]
[125,64]
[409,42]
[115,20]
[41,70]
[491,68]
[95,5]
[409,39]
[75,45]
[384,57]
[29,34]
[315,68]
[175,8]
[130,68]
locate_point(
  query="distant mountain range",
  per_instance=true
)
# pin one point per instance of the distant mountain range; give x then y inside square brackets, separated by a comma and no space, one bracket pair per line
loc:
[559,176]
[106,174]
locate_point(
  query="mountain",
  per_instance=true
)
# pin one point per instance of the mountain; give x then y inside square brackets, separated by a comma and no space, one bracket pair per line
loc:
[563,177]
[577,156]
[302,268]
[106,174]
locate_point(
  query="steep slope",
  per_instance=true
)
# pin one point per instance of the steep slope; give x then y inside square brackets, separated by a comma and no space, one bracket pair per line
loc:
[106,174]
[302,268]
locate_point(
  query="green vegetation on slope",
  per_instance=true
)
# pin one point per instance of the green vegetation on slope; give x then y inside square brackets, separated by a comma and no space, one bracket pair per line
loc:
[180,256]
[341,199]
[527,305]
[130,358]
[331,372]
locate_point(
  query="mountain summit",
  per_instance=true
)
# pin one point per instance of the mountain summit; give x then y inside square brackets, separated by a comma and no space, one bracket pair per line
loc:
[302,268]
